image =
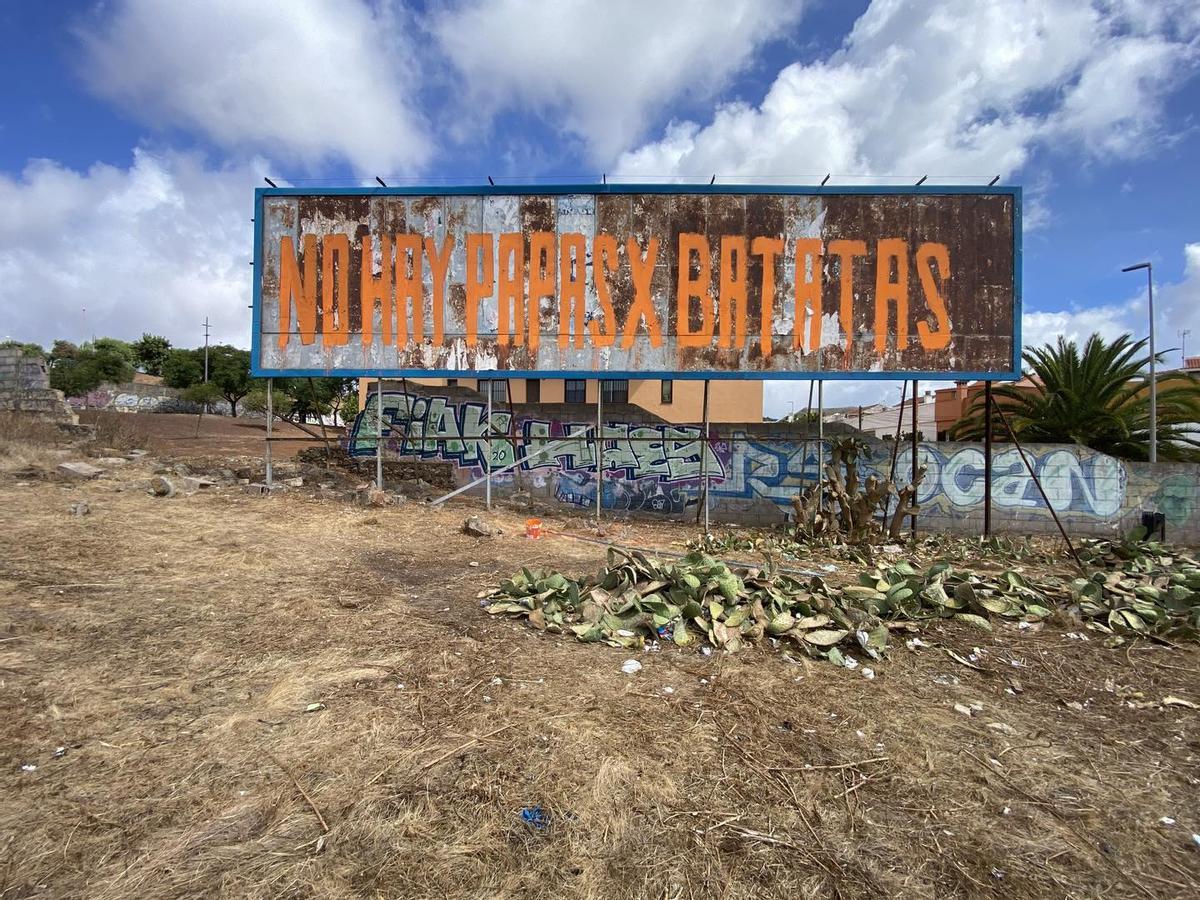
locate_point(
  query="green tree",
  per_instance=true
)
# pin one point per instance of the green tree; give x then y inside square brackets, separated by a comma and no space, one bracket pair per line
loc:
[348,411]
[79,370]
[62,350]
[25,348]
[1098,397]
[150,352]
[229,370]
[113,348]
[183,368]
[314,397]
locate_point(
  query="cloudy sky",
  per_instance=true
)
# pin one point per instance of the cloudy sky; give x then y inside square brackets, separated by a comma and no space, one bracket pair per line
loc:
[133,132]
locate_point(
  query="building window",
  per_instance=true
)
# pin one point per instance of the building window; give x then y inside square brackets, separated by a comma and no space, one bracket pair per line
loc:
[498,388]
[668,390]
[615,390]
[451,382]
[533,390]
[575,390]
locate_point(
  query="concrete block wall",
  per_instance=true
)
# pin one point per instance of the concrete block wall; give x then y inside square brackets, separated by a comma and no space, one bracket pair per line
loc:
[25,388]
[755,470]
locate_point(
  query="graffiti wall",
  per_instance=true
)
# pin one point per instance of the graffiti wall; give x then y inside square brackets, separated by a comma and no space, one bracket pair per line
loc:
[146,398]
[755,470]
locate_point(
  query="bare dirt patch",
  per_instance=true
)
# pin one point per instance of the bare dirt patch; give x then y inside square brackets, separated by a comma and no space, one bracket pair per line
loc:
[159,659]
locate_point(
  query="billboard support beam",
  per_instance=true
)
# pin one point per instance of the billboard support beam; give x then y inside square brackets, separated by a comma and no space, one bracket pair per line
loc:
[1033,474]
[987,459]
[887,500]
[270,416]
[704,460]
[820,443]
[379,434]
[599,436]
[488,491]
[912,520]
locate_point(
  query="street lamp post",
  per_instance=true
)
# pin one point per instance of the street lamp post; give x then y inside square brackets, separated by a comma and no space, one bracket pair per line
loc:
[1153,380]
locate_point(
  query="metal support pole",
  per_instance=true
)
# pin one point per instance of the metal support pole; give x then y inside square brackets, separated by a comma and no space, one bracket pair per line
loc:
[1153,375]
[987,459]
[1033,474]
[270,423]
[916,396]
[599,437]
[379,434]
[488,489]
[887,500]
[820,443]
[704,457]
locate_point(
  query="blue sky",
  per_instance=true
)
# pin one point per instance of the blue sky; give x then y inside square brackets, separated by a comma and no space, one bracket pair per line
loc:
[134,132]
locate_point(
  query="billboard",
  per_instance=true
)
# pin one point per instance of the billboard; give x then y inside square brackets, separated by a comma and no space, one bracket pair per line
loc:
[639,281]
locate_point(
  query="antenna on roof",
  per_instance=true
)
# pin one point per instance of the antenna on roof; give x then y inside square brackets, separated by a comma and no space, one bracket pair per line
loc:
[825,179]
[922,181]
[380,180]
[714,180]
[269,181]
[492,183]
[993,181]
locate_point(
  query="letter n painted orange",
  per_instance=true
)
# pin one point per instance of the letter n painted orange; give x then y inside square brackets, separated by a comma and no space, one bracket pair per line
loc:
[809,258]
[335,290]
[768,249]
[845,251]
[543,280]
[298,292]
[510,286]
[480,280]
[888,291]
[376,289]
[439,265]
[699,287]
[572,288]
[731,315]
[603,328]
[641,268]
[410,289]
[937,253]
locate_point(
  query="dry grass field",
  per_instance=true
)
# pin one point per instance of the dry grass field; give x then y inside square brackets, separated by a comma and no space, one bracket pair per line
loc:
[224,695]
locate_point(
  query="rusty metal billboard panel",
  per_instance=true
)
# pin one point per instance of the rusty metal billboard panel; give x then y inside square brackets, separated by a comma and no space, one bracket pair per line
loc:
[643,282]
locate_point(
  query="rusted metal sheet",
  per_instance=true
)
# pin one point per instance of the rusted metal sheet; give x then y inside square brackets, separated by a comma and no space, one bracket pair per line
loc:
[713,282]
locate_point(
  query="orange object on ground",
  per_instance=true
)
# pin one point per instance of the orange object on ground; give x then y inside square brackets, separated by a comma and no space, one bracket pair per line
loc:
[533,528]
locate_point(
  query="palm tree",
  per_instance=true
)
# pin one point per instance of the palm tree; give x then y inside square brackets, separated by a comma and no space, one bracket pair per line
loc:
[1099,398]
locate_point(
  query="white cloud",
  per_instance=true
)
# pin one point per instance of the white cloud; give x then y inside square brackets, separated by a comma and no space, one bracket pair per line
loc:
[1176,308]
[1181,307]
[155,247]
[302,82]
[602,70]
[956,89]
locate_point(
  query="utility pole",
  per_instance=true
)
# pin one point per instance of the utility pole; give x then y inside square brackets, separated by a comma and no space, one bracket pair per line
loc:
[206,349]
[1153,376]
[1183,333]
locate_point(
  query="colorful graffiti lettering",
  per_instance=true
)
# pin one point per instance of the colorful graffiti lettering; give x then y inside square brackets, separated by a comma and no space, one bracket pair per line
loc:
[657,467]
[435,428]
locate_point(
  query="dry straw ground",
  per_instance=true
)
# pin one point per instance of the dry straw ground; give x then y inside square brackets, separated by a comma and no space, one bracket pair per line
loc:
[172,646]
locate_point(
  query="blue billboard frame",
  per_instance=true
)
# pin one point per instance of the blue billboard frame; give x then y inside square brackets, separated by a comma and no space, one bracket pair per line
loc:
[1013,191]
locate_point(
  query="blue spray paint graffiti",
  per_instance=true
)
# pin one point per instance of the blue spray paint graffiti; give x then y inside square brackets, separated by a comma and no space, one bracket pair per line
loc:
[656,467]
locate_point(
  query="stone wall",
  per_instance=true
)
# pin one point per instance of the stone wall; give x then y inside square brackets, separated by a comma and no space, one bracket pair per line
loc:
[655,468]
[25,387]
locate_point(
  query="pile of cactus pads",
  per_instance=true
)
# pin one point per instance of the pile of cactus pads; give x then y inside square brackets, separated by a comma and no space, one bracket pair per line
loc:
[1136,589]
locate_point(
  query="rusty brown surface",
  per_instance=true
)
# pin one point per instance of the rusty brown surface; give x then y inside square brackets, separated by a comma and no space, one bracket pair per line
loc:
[976,229]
